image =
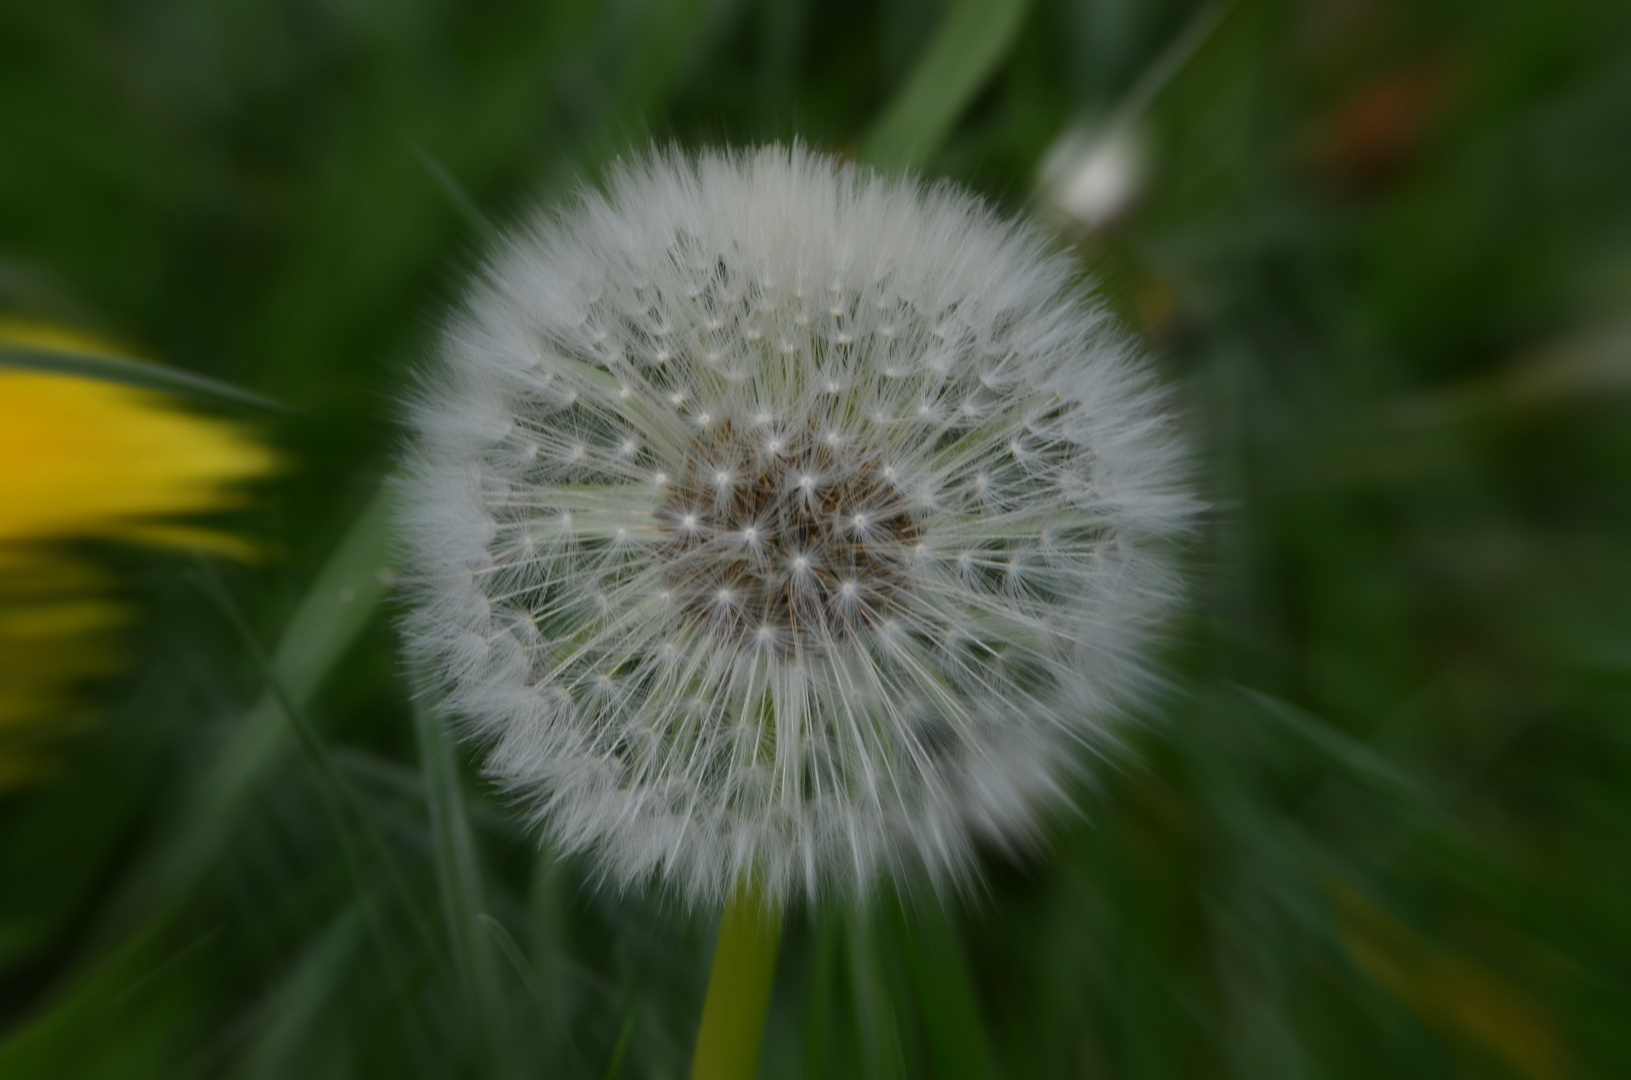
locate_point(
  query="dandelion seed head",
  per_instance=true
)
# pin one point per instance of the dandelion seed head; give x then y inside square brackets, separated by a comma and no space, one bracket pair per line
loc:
[857,616]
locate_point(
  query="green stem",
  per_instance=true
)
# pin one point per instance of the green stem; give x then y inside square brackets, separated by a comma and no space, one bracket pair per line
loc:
[733,1017]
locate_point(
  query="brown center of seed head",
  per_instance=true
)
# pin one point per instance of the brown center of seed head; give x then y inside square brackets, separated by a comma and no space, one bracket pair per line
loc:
[786,541]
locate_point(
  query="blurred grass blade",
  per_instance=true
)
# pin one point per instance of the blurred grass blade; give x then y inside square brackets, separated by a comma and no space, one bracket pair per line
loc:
[300,1001]
[820,1036]
[620,1049]
[1155,77]
[328,619]
[136,1001]
[1453,992]
[1358,760]
[529,979]
[873,993]
[459,877]
[943,987]
[343,807]
[971,41]
[456,193]
[136,373]
[336,793]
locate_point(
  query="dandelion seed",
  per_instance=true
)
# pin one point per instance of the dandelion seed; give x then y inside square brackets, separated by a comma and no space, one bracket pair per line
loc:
[775,602]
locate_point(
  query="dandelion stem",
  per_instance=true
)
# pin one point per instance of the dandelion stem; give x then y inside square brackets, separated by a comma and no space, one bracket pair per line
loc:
[733,1017]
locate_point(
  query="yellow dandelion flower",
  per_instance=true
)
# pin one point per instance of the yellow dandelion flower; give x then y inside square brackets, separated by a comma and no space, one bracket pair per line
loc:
[83,458]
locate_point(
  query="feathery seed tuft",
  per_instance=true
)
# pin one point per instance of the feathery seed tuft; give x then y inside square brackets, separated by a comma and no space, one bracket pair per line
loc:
[771,516]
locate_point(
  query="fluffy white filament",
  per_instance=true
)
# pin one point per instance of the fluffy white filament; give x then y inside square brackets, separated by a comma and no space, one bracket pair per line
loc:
[768,516]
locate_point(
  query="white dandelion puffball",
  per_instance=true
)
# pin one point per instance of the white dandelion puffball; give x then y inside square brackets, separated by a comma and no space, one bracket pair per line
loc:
[771,517]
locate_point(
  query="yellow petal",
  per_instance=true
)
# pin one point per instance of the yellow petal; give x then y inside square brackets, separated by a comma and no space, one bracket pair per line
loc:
[84,458]
[54,623]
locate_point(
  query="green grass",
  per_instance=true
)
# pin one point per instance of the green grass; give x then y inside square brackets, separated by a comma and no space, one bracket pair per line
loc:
[1378,825]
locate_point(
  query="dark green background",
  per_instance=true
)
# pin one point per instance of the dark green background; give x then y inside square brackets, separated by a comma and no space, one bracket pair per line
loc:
[1381,826]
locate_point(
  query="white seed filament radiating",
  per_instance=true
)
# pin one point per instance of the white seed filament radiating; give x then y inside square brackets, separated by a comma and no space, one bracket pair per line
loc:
[773,517]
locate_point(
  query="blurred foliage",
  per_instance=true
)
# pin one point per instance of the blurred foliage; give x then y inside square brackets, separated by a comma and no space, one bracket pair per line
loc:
[1381,249]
